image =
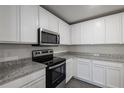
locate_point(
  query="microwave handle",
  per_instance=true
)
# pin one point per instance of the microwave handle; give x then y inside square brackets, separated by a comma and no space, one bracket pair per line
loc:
[39,35]
[52,67]
[58,39]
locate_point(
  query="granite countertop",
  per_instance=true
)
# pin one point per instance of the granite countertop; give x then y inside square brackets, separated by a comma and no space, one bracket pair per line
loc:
[12,70]
[103,57]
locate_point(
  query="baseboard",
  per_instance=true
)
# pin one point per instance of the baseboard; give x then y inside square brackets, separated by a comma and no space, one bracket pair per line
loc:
[99,85]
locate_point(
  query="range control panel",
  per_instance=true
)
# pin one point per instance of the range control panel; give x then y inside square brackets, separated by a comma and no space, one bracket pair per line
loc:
[36,53]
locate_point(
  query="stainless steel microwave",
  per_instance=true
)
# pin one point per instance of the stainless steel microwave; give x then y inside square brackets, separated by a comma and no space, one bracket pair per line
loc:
[47,37]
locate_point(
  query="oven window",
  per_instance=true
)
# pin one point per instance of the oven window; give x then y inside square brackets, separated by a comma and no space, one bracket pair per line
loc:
[58,73]
[49,38]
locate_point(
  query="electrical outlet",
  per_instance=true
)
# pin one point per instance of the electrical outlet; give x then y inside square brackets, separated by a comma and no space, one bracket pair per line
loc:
[96,54]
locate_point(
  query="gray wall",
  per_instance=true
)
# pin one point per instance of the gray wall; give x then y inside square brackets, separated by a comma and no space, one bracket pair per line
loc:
[23,51]
[104,49]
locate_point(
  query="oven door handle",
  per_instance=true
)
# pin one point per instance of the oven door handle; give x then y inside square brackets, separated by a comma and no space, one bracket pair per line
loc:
[52,67]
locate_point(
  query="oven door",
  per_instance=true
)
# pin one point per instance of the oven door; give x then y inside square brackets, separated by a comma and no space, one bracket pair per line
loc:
[55,75]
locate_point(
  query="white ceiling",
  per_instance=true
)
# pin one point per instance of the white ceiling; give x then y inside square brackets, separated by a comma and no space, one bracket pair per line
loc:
[77,13]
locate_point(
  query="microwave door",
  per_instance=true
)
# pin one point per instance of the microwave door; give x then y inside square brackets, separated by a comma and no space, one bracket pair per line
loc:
[44,37]
[49,38]
[52,39]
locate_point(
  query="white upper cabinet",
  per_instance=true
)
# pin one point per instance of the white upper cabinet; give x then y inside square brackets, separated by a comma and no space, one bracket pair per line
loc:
[93,31]
[64,31]
[47,20]
[43,18]
[88,32]
[105,30]
[20,23]
[76,34]
[29,23]
[122,27]
[99,31]
[113,29]
[53,23]
[9,26]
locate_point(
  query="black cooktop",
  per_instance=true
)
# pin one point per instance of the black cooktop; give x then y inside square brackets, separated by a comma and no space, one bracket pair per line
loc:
[51,62]
[46,57]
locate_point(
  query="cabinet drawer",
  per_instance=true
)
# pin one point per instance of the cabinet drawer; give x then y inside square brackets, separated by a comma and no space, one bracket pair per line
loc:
[108,63]
[83,60]
[38,83]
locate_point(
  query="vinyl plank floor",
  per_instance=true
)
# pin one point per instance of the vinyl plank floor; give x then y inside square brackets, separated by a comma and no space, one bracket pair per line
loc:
[75,83]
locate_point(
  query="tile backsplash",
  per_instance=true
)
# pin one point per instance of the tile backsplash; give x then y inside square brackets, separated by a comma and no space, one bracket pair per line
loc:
[11,51]
[99,49]
[24,51]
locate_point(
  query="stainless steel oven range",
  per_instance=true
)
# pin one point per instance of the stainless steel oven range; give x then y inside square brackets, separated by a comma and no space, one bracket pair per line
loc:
[56,67]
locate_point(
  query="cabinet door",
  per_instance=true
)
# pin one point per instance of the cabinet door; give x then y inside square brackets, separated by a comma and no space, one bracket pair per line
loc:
[29,23]
[113,28]
[69,69]
[43,18]
[53,23]
[39,83]
[123,27]
[64,31]
[99,31]
[84,69]
[9,16]
[67,35]
[98,74]
[94,31]
[76,34]
[88,32]
[75,67]
[113,77]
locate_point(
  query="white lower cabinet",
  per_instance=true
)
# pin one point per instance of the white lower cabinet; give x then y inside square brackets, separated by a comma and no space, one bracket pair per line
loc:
[39,83]
[84,69]
[101,73]
[34,80]
[69,69]
[114,77]
[108,74]
[98,74]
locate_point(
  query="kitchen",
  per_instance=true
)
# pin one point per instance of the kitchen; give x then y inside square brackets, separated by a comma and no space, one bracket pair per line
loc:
[50,46]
